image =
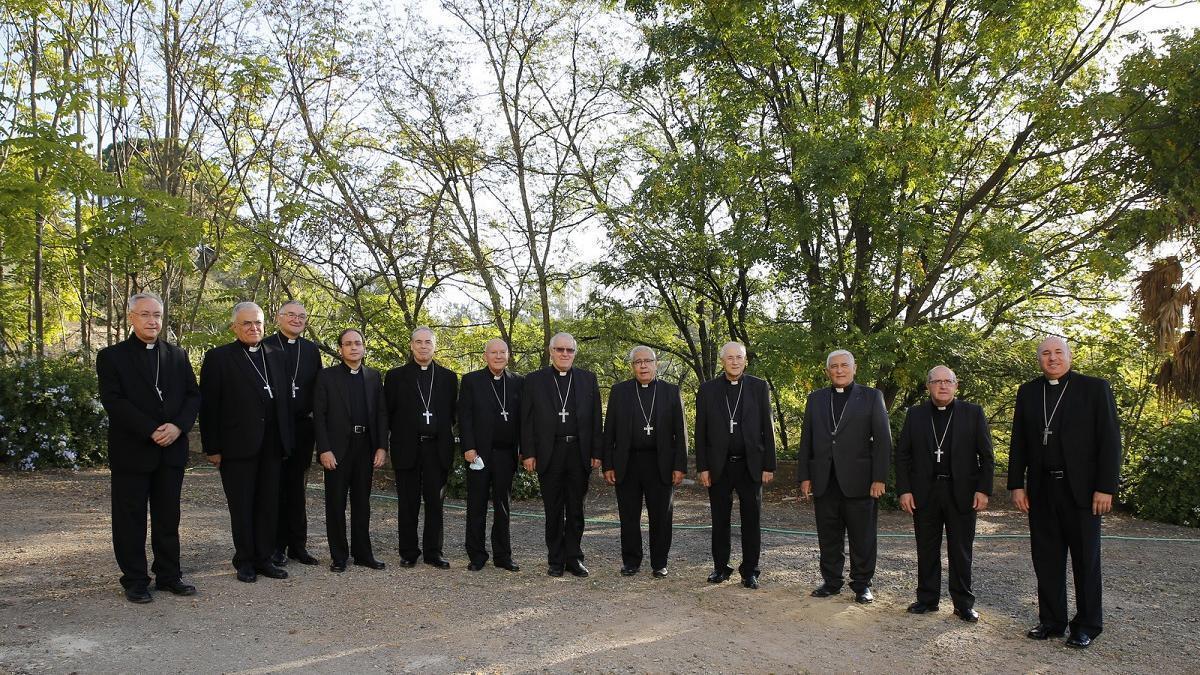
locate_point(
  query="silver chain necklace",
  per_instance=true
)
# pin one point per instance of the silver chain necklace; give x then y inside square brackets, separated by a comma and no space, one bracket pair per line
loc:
[261,375]
[654,396]
[1047,419]
[428,415]
[296,372]
[940,441]
[502,401]
[562,413]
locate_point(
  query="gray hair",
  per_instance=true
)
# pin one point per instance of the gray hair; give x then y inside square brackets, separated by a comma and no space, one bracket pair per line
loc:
[423,329]
[839,352]
[641,348]
[241,306]
[290,302]
[929,375]
[144,295]
[1052,338]
[487,344]
[727,345]
[574,342]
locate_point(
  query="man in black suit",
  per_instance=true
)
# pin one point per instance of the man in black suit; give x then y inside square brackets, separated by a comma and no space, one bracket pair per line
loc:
[302,362]
[645,456]
[490,428]
[735,451]
[420,397]
[944,470]
[561,431]
[845,449]
[149,391]
[246,432]
[1063,469]
[350,422]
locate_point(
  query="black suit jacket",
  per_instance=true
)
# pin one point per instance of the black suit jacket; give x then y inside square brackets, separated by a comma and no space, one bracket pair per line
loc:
[331,410]
[862,450]
[970,446]
[1089,432]
[476,411]
[403,397]
[232,412]
[305,372]
[134,409]
[712,427]
[624,419]
[539,416]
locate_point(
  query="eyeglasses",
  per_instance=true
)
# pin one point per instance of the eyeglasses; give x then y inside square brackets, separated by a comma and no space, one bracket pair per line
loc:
[643,362]
[938,383]
[564,350]
[157,316]
[293,315]
[247,324]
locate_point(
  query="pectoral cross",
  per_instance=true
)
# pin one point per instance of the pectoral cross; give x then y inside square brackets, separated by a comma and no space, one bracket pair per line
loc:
[427,415]
[294,389]
[159,391]
[1046,435]
[563,415]
[504,414]
[732,424]
[270,394]
[939,454]
[648,428]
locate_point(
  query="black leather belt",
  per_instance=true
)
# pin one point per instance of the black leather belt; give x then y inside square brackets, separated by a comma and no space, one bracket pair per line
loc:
[360,429]
[736,458]
[427,438]
[941,476]
[565,439]
[1057,474]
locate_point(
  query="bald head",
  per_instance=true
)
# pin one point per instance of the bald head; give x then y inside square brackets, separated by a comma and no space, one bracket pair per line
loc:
[495,355]
[1054,357]
[942,384]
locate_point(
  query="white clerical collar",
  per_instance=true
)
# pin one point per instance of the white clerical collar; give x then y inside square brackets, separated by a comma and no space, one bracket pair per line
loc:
[733,383]
[561,373]
[253,348]
[941,407]
[424,367]
[497,377]
[1053,381]
[840,390]
[151,345]
[646,384]
[291,341]
[354,371]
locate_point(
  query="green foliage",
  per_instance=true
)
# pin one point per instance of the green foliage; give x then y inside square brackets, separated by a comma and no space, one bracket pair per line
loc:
[1161,483]
[525,485]
[51,415]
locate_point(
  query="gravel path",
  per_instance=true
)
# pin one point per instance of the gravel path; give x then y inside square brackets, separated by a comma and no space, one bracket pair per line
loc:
[61,609]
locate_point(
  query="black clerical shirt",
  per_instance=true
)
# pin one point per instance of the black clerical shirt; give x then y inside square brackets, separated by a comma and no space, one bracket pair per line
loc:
[503,435]
[942,419]
[734,397]
[357,390]
[641,441]
[1053,457]
[571,426]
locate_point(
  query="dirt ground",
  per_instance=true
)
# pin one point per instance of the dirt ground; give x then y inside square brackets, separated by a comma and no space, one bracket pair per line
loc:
[61,608]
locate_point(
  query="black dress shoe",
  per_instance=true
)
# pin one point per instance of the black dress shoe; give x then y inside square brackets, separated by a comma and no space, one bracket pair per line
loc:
[279,559]
[440,563]
[247,576]
[370,562]
[555,570]
[139,594]
[969,615]
[628,571]
[720,575]
[337,566]
[750,581]
[660,572]
[825,590]
[1079,640]
[864,596]
[577,569]
[509,565]
[176,586]
[273,572]
[1043,632]
[303,557]
[405,562]
[474,567]
[919,607]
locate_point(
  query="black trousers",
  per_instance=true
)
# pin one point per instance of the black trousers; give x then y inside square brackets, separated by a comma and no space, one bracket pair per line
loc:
[252,491]
[131,492]
[491,483]
[1058,526]
[292,528]
[351,477]
[643,481]
[736,477]
[425,482]
[839,516]
[564,487]
[929,520]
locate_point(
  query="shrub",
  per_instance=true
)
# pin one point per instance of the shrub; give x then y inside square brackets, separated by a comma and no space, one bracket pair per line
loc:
[525,485]
[1162,482]
[50,415]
